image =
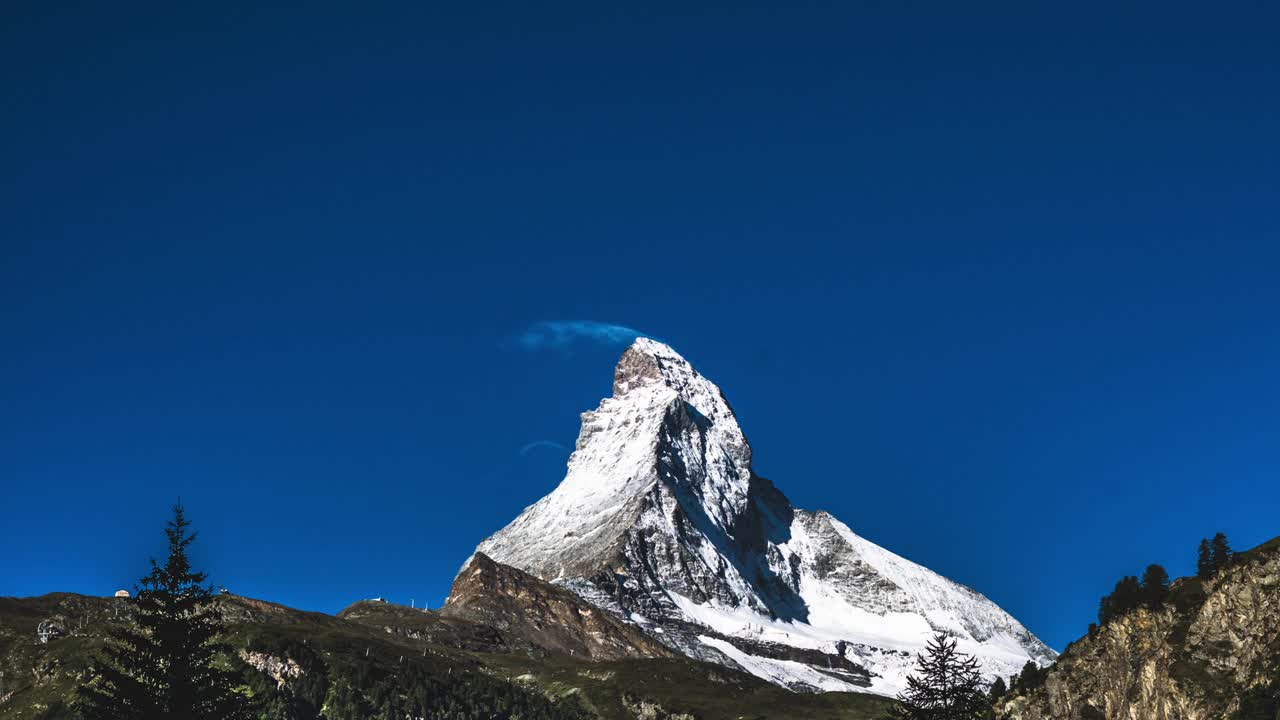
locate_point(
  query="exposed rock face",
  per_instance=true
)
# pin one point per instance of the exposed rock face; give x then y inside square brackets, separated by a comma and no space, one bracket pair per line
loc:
[646,710]
[546,616]
[282,670]
[661,520]
[1211,653]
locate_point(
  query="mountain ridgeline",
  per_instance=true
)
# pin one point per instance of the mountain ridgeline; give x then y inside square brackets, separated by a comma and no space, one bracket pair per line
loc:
[1208,649]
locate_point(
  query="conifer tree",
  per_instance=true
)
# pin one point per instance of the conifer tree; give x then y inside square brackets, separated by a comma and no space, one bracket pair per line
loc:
[947,686]
[1129,594]
[994,693]
[1155,586]
[1126,596]
[1220,553]
[1204,560]
[165,666]
[1031,677]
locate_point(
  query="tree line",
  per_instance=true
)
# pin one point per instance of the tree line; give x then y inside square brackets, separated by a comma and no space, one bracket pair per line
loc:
[1130,593]
[1213,556]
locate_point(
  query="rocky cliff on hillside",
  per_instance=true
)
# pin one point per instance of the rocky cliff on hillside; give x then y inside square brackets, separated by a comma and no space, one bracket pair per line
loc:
[546,616]
[1212,652]
[661,520]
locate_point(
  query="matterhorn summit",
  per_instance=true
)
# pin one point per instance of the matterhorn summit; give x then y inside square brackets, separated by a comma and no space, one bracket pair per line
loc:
[660,520]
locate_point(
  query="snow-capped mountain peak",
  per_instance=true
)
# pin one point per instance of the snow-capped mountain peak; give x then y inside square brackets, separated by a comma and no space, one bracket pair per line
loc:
[647,362]
[660,519]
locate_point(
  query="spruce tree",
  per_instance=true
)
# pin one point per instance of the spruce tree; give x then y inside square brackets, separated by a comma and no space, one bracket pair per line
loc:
[1106,611]
[1129,594]
[1220,553]
[1204,560]
[1031,677]
[165,666]
[947,686]
[1155,586]
[1126,596]
[994,693]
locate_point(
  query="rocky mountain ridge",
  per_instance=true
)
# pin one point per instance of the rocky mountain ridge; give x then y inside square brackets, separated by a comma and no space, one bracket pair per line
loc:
[1210,652]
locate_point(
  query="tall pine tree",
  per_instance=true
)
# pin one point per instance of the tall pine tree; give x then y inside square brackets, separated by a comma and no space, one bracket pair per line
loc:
[1031,677]
[165,666]
[1220,553]
[1126,596]
[947,686]
[1155,586]
[1204,560]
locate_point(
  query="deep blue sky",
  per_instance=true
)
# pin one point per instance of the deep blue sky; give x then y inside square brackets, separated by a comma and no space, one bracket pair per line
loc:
[998,285]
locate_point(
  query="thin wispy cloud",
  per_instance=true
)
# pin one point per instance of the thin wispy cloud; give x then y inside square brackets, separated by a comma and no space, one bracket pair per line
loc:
[541,445]
[564,335]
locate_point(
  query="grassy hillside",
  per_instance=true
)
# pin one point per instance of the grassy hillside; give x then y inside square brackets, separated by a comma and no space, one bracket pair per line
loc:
[385,661]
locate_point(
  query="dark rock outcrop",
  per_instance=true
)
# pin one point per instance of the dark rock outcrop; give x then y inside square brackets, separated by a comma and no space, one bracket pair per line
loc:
[547,617]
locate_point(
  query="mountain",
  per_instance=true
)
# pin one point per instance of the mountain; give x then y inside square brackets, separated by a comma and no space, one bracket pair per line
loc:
[1211,651]
[380,660]
[661,520]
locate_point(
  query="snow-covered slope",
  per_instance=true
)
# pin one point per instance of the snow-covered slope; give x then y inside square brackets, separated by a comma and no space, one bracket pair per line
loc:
[661,520]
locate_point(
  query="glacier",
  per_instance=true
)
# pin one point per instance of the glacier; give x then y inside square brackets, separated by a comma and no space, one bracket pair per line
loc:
[661,520]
